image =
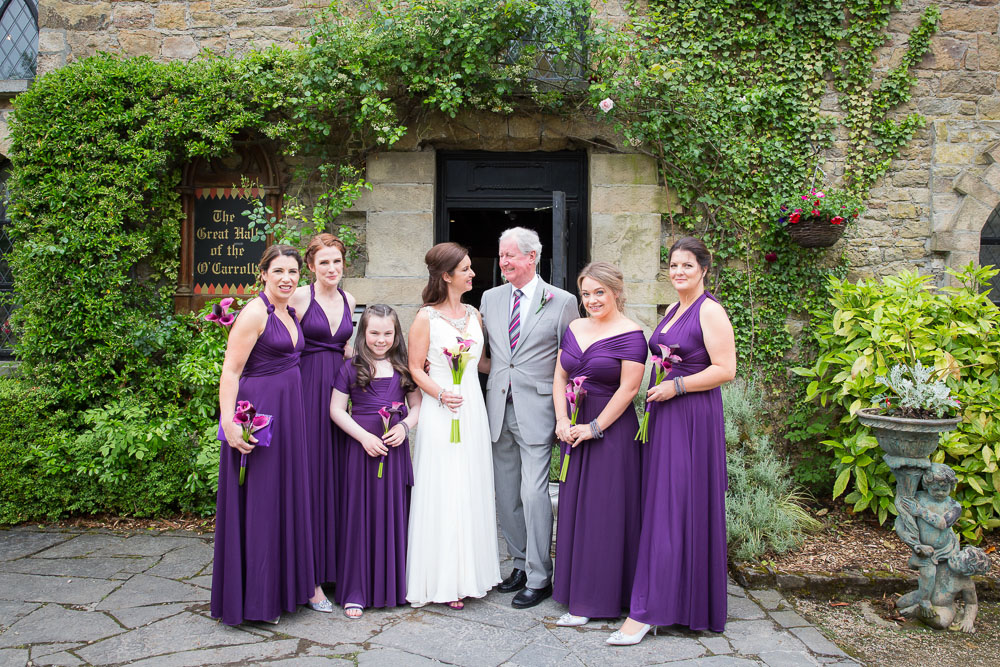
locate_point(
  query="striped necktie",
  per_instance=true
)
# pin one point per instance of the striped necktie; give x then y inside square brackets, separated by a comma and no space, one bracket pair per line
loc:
[515,319]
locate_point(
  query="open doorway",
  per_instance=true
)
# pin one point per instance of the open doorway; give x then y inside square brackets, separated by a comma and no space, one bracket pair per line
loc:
[480,194]
[479,230]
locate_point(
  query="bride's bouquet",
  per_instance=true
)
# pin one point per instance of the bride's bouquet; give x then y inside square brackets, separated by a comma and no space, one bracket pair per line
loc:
[458,358]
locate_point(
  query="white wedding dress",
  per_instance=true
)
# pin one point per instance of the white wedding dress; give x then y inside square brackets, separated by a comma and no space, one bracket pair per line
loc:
[452,552]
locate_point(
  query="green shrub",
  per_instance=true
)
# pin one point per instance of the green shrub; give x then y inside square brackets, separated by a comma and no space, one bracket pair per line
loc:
[764,512]
[874,325]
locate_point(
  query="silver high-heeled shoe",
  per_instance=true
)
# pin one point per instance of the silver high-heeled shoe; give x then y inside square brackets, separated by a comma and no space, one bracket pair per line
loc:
[619,638]
[324,606]
[570,621]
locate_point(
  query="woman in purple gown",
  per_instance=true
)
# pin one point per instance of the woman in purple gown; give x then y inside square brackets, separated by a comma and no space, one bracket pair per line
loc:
[680,575]
[263,528]
[372,570]
[598,528]
[324,311]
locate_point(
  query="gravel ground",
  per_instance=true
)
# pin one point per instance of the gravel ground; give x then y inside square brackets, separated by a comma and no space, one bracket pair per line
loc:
[864,629]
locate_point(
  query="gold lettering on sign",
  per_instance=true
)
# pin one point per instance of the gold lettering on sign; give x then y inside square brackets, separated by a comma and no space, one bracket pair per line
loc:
[212,235]
[242,234]
[219,215]
[218,268]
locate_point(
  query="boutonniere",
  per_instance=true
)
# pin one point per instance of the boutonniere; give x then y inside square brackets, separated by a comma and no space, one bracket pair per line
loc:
[546,297]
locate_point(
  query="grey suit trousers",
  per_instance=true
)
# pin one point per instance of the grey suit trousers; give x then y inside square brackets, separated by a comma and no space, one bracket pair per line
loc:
[521,477]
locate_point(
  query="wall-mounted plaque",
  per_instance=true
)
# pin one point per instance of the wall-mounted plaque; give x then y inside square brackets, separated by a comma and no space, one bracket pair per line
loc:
[225,259]
[217,256]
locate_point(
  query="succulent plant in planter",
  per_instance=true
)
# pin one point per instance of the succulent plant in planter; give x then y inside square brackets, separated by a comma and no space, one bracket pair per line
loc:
[911,414]
[918,394]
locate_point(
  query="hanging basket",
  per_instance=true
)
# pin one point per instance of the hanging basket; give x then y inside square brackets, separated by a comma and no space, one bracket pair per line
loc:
[814,232]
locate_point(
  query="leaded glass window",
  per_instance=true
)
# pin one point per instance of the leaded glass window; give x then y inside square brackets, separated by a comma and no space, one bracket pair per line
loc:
[18,38]
[989,251]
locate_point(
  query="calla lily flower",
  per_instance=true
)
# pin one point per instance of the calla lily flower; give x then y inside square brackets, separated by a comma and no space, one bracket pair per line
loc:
[243,406]
[577,381]
[259,422]
[241,418]
[226,303]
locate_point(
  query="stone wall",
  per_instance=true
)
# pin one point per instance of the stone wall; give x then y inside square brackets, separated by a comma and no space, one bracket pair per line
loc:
[625,202]
[926,213]
[164,30]
[929,209]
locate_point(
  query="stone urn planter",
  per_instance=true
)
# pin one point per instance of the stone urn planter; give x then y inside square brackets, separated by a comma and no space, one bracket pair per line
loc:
[925,513]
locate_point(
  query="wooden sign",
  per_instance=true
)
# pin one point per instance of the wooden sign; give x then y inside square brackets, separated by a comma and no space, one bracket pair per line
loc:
[217,256]
[225,259]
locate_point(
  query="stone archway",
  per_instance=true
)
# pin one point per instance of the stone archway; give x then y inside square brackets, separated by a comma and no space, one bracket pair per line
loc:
[957,237]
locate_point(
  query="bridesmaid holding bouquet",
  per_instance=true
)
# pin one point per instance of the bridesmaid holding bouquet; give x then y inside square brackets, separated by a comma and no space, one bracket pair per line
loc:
[598,528]
[263,528]
[372,569]
[681,576]
[325,316]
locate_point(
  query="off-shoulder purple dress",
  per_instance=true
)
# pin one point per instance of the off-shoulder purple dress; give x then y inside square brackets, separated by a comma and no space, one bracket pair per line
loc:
[598,529]
[680,576]
[372,570]
[263,529]
[322,358]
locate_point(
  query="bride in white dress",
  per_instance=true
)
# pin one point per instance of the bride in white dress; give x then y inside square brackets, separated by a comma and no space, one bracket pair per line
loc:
[452,552]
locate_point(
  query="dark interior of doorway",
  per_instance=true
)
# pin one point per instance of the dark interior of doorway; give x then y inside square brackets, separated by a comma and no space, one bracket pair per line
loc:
[479,230]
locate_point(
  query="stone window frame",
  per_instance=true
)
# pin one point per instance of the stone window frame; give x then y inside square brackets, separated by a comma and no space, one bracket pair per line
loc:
[18,85]
[958,238]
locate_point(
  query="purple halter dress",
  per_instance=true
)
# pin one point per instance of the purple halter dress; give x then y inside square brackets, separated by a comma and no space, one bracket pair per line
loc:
[372,570]
[680,575]
[598,529]
[322,358]
[263,529]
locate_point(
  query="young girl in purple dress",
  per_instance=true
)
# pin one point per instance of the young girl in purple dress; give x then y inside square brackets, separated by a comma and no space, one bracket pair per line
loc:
[377,466]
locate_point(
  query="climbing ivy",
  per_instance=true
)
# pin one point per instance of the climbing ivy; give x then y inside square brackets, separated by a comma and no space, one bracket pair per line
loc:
[735,99]
[727,95]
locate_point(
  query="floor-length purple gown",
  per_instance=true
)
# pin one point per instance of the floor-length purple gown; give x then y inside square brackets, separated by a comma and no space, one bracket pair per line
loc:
[680,575]
[263,529]
[598,528]
[322,358]
[372,570]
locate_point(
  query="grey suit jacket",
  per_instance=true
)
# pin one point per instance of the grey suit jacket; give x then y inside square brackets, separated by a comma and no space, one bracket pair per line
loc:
[529,369]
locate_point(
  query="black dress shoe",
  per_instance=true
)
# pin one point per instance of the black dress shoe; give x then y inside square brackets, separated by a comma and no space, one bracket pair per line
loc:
[515,582]
[529,597]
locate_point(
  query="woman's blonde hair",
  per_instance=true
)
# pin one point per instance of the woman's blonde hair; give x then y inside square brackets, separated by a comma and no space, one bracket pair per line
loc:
[607,275]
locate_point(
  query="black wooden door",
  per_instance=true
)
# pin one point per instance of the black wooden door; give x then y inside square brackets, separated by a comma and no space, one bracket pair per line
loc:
[481,194]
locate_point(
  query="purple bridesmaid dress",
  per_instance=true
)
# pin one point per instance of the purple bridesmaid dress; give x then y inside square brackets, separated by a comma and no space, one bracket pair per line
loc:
[263,529]
[680,576]
[598,529]
[322,358]
[372,570]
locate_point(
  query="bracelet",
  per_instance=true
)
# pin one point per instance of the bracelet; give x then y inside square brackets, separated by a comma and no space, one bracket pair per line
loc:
[406,430]
[595,430]
[440,394]
[679,388]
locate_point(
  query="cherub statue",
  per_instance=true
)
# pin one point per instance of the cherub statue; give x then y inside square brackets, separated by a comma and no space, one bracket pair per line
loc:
[953,580]
[933,542]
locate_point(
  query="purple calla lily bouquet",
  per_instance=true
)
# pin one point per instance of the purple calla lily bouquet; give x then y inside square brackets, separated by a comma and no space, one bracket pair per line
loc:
[662,365]
[574,395]
[458,358]
[386,413]
[251,422]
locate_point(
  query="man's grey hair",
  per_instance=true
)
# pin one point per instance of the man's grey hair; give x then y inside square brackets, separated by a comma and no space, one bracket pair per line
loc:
[526,239]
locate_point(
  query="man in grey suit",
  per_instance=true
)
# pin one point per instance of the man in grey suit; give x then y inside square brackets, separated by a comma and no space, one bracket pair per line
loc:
[525,320]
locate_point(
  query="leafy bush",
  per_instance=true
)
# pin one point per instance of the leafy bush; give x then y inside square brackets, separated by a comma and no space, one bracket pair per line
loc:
[764,512]
[905,319]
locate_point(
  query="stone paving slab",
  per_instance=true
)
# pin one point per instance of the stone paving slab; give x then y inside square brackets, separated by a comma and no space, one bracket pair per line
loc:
[53,623]
[81,597]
